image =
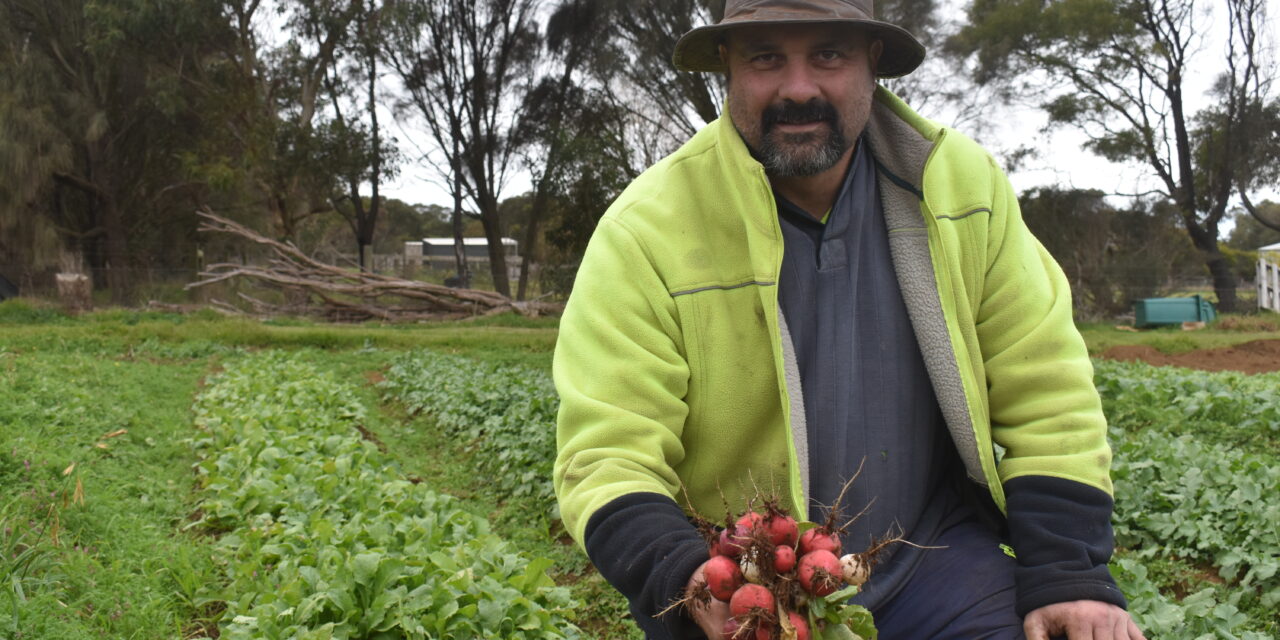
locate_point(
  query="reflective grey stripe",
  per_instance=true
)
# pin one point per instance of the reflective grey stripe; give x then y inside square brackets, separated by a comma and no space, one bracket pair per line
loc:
[723,287]
[963,215]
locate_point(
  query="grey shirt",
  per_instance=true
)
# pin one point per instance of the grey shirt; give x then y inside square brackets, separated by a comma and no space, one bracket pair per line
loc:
[868,399]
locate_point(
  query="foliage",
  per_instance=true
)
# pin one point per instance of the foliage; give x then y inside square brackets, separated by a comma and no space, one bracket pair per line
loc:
[1202,615]
[1112,256]
[1248,234]
[326,540]
[1231,409]
[1195,470]
[99,99]
[465,66]
[1117,70]
[675,103]
[509,413]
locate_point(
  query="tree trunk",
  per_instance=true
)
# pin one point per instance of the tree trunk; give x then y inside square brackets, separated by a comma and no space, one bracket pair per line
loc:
[459,246]
[116,253]
[531,240]
[1224,281]
[497,252]
[75,290]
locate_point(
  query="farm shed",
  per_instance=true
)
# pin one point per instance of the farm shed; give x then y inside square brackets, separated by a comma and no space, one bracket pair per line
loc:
[1269,277]
[439,251]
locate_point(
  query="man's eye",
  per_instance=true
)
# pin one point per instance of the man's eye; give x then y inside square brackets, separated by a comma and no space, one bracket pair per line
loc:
[765,58]
[829,55]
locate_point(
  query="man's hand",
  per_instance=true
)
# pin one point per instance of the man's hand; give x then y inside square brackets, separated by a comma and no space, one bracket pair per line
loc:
[709,617]
[1081,620]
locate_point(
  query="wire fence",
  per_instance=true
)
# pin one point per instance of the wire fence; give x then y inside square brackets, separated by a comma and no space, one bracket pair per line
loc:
[1113,300]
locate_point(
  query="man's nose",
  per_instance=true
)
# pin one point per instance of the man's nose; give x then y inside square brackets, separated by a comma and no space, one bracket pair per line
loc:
[799,84]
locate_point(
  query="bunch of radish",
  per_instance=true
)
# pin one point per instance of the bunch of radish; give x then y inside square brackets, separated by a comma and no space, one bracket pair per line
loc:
[779,583]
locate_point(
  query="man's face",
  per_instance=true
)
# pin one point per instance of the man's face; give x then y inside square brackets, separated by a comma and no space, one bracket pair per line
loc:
[800,95]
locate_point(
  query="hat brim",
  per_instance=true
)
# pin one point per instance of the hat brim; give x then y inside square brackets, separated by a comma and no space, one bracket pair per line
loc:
[699,49]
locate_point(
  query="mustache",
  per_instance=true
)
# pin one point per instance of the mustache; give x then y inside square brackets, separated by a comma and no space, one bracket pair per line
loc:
[788,112]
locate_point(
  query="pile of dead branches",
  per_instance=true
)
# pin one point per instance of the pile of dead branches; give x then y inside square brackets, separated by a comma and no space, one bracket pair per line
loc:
[348,295]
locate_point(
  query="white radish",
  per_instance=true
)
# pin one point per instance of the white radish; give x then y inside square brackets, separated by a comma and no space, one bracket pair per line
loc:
[751,570]
[855,569]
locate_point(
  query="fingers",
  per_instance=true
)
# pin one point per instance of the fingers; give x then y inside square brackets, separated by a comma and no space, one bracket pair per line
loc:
[1034,627]
[711,617]
[1081,621]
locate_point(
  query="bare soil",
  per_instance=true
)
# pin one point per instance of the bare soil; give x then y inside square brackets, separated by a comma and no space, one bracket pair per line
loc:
[1258,356]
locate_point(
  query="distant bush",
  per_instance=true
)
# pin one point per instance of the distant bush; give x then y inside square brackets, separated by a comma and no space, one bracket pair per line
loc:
[1259,323]
[22,311]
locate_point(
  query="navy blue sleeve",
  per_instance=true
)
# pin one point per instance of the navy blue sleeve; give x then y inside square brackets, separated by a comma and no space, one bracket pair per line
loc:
[1061,532]
[643,544]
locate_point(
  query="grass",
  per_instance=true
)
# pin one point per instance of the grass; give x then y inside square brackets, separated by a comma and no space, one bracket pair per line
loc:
[508,338]
[1225,331]
[117,563]
[97,485]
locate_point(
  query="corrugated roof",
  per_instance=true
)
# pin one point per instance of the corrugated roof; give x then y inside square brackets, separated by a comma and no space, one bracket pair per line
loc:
[465,241]
[1270,247]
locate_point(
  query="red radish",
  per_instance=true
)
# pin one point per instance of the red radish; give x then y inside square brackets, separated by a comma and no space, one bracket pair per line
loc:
[764,632]
[819,572]
[748,522]
[731,628]
[749,598]
[815,539]
[728,546]
[723,577]
[801,625]
[855,569]
[782,530]
[784,559]
[745,527]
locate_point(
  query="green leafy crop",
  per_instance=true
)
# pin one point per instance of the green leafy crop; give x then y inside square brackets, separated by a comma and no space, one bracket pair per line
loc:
[322,537]
[508,412]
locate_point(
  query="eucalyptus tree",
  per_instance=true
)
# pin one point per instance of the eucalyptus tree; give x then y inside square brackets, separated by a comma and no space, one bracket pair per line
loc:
[649,31]
[96,108]
[1118,71]
[466,65]
[290,169]
[360,150]
[570,118]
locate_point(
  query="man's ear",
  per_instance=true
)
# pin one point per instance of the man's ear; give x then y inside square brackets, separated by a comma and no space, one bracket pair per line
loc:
[724,54]
[877,48]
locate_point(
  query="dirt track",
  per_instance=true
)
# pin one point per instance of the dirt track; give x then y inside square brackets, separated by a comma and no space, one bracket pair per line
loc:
[1258,356]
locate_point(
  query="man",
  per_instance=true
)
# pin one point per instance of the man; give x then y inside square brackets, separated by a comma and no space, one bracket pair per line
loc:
[822,281]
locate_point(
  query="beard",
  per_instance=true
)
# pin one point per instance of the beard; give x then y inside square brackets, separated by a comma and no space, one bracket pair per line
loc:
[800,154]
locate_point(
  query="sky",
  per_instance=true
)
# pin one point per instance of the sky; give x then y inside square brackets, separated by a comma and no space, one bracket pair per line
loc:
[1062,161]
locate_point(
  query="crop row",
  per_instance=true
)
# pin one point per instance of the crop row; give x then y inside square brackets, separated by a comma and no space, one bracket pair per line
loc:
[1183,493]
[1226,407]
[1175,496]
[1203,615]
[507,413]
[322,538]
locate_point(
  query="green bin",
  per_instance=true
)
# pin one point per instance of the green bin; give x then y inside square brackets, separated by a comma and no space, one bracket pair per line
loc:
[1154,312]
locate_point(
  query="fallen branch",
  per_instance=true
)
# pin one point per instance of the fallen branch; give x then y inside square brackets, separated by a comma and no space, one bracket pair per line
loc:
[350,295]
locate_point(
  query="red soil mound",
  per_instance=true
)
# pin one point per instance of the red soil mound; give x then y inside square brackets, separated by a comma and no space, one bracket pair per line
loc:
[1258,356]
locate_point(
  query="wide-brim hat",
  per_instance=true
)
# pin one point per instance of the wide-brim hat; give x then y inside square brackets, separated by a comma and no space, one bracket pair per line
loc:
[699,49]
